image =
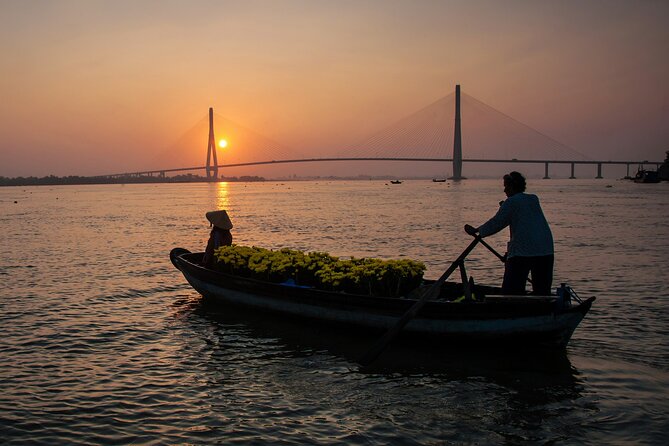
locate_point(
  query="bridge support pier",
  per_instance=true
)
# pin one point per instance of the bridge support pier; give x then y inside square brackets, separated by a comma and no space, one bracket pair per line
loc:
[546,177]
[599,171]
[572,171]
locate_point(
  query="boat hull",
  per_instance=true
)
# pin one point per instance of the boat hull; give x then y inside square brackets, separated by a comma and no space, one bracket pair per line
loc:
[647,176]
[498,319]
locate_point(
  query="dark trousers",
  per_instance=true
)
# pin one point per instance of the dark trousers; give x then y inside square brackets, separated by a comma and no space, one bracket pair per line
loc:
[518,268]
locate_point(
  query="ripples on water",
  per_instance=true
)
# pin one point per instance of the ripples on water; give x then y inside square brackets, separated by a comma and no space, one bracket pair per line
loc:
[102,341]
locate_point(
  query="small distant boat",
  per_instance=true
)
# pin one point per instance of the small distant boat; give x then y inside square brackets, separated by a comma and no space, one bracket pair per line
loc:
[438,180]
[646,176]
[396,181]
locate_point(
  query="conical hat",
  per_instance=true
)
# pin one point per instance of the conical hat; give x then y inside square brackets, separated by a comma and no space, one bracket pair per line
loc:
[219,219]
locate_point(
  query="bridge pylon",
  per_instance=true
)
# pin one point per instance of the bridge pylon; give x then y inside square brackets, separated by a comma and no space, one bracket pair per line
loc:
[212,171]
[457,140]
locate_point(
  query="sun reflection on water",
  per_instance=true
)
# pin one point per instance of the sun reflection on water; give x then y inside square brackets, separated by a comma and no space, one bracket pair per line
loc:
[222,195]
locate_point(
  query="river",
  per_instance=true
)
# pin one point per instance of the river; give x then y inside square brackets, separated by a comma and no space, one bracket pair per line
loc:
[102,341]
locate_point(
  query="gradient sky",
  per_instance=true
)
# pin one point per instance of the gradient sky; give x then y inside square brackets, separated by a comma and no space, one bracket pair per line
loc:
[92,87]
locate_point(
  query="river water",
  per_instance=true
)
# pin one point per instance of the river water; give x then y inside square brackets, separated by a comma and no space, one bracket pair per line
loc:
[103,342]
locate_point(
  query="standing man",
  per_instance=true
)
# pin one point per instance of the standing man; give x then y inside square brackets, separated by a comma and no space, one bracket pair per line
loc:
[530,247]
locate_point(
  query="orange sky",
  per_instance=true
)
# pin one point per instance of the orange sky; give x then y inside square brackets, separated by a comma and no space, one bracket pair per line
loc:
[94,87]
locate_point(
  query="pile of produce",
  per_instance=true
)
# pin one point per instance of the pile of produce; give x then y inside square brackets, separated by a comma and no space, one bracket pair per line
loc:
[320,270]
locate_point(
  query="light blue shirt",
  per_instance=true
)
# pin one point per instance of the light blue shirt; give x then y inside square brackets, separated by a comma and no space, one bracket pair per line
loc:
[530,234]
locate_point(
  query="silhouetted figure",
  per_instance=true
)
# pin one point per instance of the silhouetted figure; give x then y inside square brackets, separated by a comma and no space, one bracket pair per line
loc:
[663,170]
[220,235]
[530,248]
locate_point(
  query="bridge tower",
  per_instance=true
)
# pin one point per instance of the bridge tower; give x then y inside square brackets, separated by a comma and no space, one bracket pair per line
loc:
[457,140]
[212,171]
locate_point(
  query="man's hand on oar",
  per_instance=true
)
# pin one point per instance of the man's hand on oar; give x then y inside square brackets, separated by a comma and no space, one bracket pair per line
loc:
[471,230]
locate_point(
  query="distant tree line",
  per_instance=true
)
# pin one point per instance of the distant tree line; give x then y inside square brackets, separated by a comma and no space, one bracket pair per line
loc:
[75,179]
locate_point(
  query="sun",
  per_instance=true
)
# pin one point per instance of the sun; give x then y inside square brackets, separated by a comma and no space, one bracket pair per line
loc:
[222,144]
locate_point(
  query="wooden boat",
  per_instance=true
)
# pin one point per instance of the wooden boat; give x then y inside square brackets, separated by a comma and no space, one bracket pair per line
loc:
[492,318]
[438,180]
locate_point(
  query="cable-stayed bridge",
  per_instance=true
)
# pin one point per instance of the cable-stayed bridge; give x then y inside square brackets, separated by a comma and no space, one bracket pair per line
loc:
[457,129]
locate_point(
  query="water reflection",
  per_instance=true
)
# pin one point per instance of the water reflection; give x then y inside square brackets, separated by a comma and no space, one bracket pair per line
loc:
[220,195]
[527,379]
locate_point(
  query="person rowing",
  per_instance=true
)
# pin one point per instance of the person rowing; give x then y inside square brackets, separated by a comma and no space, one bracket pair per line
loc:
[530,248]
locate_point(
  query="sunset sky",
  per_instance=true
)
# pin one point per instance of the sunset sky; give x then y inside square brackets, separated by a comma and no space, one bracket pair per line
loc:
[93,87]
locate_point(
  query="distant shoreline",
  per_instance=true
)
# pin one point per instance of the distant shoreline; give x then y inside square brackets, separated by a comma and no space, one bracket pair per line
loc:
[52,180]
[74,180]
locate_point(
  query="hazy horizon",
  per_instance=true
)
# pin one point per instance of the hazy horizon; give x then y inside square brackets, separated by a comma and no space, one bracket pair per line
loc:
[92,87]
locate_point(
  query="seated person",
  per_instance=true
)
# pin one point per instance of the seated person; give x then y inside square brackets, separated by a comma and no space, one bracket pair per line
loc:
[220,235]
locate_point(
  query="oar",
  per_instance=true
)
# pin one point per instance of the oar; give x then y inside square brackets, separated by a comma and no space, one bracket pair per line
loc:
[499,256]
[383,342]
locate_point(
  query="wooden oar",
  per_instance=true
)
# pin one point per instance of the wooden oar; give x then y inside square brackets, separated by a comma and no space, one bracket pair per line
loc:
[499,256]
[383,342]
